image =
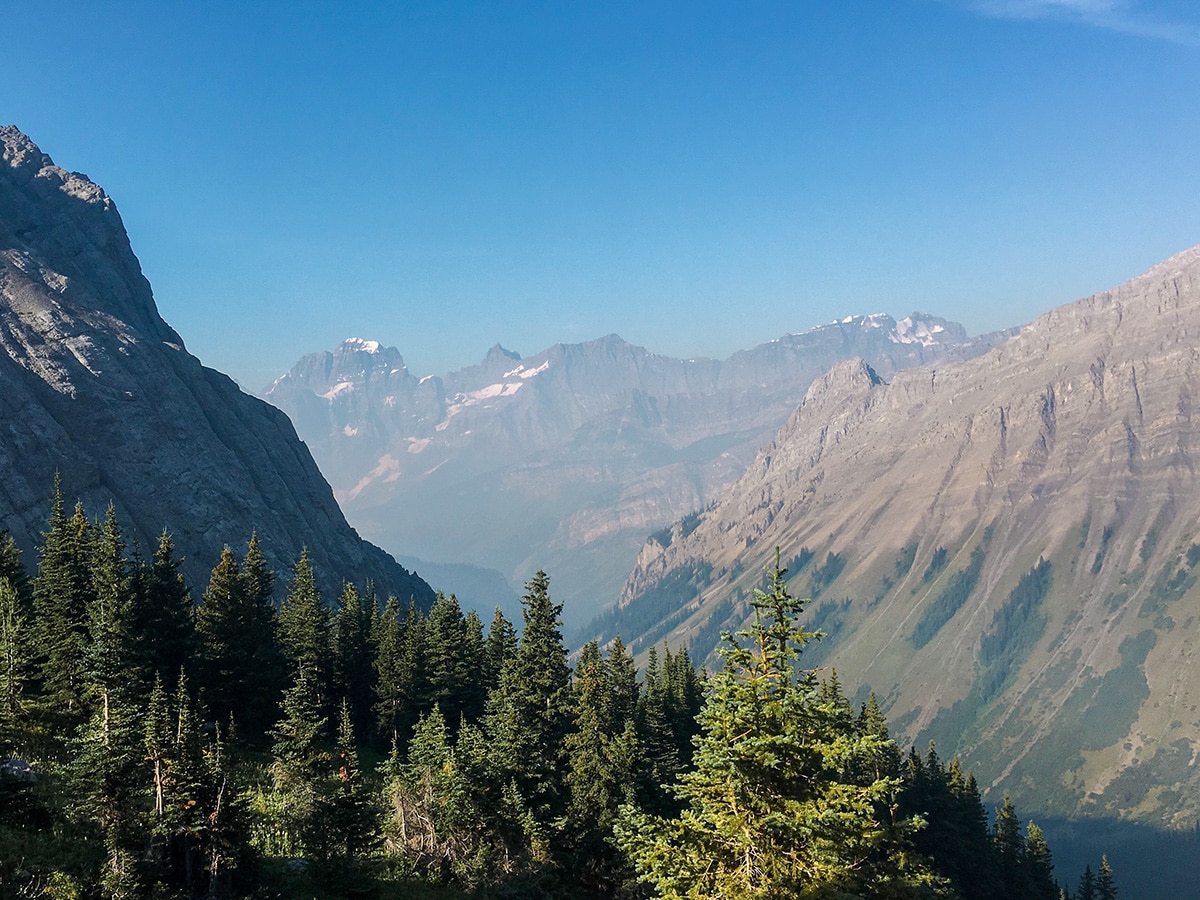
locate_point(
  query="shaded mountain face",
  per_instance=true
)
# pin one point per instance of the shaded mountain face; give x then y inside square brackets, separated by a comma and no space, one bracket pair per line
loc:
[566,460]
[96,386]
[1006,550]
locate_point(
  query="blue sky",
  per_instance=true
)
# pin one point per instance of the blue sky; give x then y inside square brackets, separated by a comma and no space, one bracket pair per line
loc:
[698,177]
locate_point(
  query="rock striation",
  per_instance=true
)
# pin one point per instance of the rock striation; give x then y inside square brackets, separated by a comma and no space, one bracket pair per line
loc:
[96,386]
[568,459]
[1005,549]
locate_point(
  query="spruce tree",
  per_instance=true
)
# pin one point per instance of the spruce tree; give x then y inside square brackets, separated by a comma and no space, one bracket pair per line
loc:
[447,666]
[351,655]
[1010,848]
[772,809]
[1106,886]
[1039,866]
[499,648]
[529,714]
[163,616]
[238,657]
[347,820]
[303,623]
[62,593]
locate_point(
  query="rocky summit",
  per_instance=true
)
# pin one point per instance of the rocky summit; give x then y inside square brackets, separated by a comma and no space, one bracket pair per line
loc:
[1005,549]
[568,459]
[95,386]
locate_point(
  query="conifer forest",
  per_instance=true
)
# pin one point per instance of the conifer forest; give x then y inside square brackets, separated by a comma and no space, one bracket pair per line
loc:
[167,741]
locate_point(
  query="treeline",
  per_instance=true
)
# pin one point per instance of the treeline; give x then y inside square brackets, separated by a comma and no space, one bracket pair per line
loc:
[367,748]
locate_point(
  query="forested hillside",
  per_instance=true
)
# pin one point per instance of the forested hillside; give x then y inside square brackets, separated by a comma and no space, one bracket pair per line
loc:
[354,746]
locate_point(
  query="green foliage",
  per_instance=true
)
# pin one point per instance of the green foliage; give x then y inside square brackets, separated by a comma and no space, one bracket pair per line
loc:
[1017,624]
[239,662]
[950,600]
[523,797]
[936,564]
[777,805]
[826,573]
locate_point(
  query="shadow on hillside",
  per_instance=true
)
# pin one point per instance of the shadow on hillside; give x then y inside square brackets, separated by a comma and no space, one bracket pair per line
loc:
[1148,863]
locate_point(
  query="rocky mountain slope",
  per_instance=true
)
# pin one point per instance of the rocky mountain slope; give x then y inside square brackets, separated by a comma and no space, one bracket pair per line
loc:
[565,460]
[96,386]
[1006,550]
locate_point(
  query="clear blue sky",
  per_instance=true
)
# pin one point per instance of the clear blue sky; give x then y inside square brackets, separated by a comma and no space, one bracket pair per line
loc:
[697,176]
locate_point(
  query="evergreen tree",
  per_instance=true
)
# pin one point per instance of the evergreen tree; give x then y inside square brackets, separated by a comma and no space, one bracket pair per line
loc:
[1087,885]
[303,624]
[399,684]
[62,594]
[300,759]
[1010,848]
[346,822]
[236,634]
[163,617]
[772,808]
[1106,887]
[1039,866]
[110,655]
[659,765]
[499,648]
[452,674]
[529,714]
[599,779]
[351,656]
[12,568]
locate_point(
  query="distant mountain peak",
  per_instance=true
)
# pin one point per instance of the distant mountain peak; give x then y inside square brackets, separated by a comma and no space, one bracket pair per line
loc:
[498,352]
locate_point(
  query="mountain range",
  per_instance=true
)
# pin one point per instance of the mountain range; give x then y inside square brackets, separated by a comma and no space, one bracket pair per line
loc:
[568,459]
[96,387]
[1006,549]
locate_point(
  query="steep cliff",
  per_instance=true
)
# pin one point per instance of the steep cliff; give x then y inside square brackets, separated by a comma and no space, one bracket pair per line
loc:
[1004,549]
[96,386]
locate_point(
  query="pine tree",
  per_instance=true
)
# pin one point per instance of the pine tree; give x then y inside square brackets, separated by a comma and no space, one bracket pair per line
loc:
[303,626]
[62,593]
[659,765]
[529,714]
[236,635]
[351,656]
[300,759]
[600,776]
[772,811]
[12,568]
[111,654]
[450,671]
[347,821]
[1039,866]
[499,648]
[163,616]
[1010,848]
[1106,886]
[1087,885]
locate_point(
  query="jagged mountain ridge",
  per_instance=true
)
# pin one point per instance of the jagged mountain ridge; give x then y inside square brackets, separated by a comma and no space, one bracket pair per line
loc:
[97,387]
[565,460]
[1004,549]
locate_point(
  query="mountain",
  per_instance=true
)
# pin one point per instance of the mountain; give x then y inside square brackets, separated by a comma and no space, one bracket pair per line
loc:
[566,460]
[96,386]
[1005,549]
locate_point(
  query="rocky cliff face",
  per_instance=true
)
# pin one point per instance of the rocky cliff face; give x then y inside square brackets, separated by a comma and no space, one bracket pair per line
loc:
[1004,549]
[565,460]
[96,386]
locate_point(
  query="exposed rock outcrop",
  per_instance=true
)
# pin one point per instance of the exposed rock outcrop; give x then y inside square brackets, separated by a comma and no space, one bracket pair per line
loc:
[96,386]
[565,460]
[1007,550]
